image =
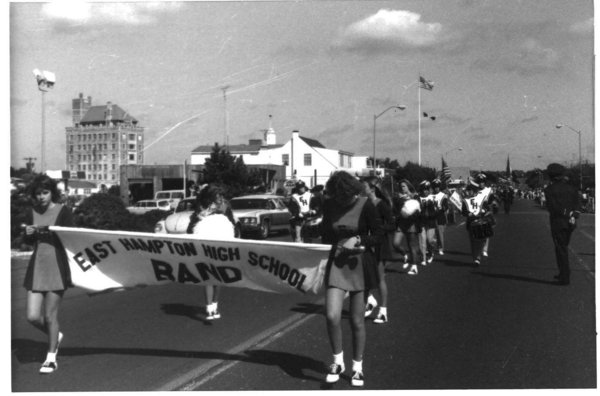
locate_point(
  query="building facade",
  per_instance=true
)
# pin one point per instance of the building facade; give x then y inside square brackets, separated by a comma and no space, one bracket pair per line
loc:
[102,139]
[304,158]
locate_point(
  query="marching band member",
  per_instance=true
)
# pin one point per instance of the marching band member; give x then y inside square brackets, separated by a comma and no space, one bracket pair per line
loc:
[407,210]
[352,226]
[478,209]
[300,209]
[384,252]
[427,240]
[441,206]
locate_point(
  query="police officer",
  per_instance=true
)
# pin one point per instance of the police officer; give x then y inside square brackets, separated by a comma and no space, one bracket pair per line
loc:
[562,202]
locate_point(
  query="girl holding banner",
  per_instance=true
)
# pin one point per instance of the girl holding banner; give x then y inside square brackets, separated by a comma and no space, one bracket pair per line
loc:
[213,218]
[48,274]
[352,226]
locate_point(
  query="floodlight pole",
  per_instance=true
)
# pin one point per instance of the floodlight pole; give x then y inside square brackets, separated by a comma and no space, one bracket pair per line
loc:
[375,117]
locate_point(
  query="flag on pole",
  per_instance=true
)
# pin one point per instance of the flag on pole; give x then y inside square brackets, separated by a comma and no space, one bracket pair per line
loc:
[508,170]
[426,84]
[446,173]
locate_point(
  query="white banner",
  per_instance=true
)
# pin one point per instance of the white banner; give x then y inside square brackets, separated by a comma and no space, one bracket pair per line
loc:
[456,200]
[103,260]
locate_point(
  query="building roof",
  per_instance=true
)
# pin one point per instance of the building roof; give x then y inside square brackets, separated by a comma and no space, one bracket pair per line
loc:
[233,149]
[97,115]
[312,142]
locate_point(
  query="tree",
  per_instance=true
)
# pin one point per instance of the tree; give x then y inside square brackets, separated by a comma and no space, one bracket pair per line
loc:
[415,173]
[230,172]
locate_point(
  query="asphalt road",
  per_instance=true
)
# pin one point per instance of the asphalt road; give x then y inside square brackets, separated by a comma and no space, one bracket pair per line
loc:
[503,325]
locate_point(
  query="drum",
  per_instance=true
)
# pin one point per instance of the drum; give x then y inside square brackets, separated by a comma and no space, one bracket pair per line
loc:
[481,228]
[311,229]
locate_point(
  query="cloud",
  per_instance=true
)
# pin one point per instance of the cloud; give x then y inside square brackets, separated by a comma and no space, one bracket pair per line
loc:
[389,29]
[77,13]
[583,27]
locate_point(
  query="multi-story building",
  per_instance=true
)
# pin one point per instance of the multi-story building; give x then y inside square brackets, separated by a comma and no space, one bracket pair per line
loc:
[102,139]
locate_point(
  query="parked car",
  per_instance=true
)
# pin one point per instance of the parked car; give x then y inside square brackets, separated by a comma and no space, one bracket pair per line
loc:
[260,214]
[173,196]
[178,221]
[146,205]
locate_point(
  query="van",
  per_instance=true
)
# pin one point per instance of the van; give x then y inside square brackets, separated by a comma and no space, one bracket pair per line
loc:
[173,196]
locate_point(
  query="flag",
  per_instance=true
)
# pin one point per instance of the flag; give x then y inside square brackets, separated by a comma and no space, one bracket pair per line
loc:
[426,84]
[446,173]
[508,170]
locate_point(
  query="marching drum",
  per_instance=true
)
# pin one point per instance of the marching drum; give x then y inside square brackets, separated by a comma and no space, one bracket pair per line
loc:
[481,228]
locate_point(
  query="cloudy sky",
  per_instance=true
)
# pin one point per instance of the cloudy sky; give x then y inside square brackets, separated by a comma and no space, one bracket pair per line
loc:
[505,73]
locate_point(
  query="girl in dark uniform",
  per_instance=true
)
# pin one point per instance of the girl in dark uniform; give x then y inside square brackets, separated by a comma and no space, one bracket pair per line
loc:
[48,274]
[352,226]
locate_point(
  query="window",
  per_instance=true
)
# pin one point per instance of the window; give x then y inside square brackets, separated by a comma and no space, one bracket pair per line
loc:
[132,147]
[114,146]
[307,160]
[285,158]
[132,136]
[131,157]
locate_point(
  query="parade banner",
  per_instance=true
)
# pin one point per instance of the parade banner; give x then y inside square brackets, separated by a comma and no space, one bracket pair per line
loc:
[456,200]
[103,260]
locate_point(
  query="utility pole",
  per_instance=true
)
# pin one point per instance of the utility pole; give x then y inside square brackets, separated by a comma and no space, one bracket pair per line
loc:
[226,116]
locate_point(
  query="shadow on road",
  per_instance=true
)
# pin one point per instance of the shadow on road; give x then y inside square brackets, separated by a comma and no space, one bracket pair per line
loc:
[309,308]
[514,277]
[28,351]
[191,311]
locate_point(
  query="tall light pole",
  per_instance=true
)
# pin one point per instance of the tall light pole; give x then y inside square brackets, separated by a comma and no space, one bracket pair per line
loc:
[375,117]
[45,81]
[558,126]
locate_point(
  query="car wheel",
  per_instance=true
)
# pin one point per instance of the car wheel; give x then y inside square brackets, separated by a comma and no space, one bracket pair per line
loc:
[265,229]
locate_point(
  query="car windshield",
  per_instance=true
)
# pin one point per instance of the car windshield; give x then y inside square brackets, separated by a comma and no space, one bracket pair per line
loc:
[185,205]
[251,203]
[162,195]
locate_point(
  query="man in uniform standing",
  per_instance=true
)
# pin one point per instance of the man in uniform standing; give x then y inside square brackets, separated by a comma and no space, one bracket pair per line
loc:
[562,202]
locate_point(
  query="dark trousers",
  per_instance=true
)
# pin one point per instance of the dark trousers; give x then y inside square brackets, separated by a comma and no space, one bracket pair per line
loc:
[561,236]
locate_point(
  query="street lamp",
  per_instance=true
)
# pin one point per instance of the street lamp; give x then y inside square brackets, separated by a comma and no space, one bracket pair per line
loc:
[45,81]
[375,117]
[558,126]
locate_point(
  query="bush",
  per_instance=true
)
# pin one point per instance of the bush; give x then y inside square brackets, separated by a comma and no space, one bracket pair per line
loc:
[102,212]
[108,212]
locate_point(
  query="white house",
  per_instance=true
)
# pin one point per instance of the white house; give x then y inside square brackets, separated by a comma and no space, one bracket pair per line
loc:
[304,158]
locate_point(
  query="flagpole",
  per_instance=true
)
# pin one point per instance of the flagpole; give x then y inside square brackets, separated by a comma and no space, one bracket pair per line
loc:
[419,118]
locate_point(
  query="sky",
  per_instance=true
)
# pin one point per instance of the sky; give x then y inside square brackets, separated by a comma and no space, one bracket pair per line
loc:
[504,74]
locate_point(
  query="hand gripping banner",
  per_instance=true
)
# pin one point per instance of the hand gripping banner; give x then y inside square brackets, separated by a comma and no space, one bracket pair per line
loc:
[103,260]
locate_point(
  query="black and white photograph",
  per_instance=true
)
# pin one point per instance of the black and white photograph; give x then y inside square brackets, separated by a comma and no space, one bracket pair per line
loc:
[289,195]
